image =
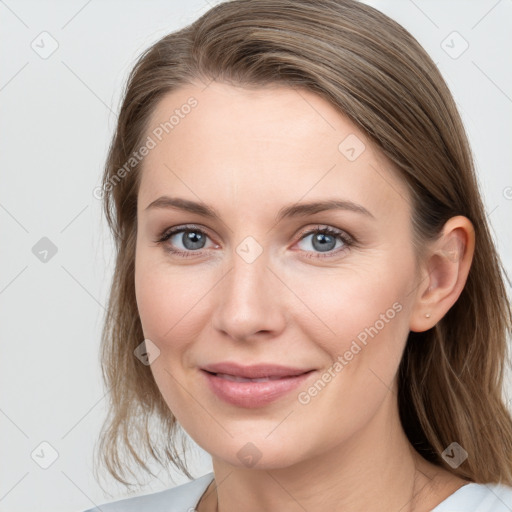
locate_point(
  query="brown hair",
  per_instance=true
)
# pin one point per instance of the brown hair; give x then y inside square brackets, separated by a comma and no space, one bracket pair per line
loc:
[450,379]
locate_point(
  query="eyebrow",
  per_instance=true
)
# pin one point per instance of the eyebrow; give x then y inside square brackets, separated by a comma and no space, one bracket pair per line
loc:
[294,210]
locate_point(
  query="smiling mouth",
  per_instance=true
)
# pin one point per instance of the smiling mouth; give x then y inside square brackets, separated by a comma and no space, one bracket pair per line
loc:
[254,392]
[235,378]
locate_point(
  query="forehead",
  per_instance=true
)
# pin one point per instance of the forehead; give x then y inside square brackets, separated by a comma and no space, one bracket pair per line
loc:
[239,145]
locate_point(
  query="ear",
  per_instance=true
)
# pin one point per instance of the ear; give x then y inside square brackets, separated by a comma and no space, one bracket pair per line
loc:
[443,274]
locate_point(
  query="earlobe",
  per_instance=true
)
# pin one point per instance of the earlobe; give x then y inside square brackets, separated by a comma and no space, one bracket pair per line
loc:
[445,272]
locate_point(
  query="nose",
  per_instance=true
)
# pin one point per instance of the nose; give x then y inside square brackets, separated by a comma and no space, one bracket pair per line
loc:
[250,301]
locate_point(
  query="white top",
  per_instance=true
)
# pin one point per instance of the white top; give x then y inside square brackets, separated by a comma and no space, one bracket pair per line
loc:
[184,498]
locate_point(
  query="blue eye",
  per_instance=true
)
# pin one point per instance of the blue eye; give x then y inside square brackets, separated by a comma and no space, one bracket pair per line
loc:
[325,241]
[191,238]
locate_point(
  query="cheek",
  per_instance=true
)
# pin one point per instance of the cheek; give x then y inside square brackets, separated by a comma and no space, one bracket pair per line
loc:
[170,302]
[359,317]
[368,328]
[170,307]
[337,306]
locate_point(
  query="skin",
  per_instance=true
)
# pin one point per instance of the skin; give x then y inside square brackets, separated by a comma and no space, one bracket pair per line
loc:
[247,153]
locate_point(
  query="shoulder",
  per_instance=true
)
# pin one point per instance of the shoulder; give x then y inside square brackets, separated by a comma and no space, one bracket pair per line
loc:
[182,498]
[475,497]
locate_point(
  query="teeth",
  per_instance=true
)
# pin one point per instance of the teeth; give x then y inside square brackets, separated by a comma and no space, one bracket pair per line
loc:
[243,379]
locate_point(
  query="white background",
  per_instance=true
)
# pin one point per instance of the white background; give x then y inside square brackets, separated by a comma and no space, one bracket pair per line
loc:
[57,117]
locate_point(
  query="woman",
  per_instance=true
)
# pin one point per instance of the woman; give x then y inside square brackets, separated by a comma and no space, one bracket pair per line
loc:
[305,280]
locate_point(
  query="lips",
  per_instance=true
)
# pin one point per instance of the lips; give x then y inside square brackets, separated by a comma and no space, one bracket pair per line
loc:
[259,371]
[234,378]
[253,386]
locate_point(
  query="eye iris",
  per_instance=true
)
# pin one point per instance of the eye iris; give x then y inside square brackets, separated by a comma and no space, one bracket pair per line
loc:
[193,240]
[323,242]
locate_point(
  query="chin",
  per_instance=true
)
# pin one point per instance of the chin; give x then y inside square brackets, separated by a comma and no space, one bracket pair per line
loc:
[258,453]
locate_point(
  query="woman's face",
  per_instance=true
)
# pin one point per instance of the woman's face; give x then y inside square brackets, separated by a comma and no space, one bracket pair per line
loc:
[255,281]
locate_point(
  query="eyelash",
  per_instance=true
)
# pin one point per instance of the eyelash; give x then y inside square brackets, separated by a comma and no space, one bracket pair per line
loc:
[347,240]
